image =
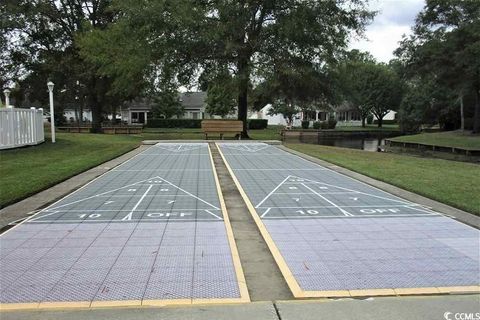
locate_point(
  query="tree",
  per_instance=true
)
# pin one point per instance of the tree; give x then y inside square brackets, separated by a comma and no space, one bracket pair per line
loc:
[167,105]
[445,47]
[45,34]
[285,108]
[248,36]
[220,93]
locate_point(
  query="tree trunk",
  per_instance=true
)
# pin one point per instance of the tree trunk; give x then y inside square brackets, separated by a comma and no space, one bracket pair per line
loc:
[476,117]
[95,106]
[462,117]
[243,79]
[363,121]
[380,121]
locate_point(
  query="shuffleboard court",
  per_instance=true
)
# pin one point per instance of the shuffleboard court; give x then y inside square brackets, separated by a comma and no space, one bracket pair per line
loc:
[332,235]
[152,231]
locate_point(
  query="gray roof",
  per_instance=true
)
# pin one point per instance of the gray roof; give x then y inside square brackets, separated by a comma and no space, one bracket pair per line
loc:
[193,99]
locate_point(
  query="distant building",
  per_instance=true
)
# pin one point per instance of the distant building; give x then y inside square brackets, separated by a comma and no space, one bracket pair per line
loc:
[345,114]
[138,111]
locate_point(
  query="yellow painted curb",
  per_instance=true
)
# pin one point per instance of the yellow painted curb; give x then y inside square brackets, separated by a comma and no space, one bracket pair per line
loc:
[65,304]
[460,289]
[115,303]
[242,284]
[165,302]
[415,291]
[371,292]
[287,274]
[18,306]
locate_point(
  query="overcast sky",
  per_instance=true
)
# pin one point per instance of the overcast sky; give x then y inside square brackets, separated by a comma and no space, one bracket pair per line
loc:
[395,18]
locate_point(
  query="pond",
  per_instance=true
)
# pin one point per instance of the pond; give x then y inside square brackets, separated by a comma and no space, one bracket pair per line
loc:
[352,142]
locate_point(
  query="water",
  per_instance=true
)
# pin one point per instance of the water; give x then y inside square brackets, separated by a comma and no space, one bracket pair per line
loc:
[361,143]
[367,144]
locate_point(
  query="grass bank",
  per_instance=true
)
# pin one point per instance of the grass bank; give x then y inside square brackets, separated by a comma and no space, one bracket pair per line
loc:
[25,171]
[456,139]
[451,182]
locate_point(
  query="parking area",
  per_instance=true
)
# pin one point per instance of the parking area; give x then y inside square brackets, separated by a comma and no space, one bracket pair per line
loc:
[332,235]
[152,231]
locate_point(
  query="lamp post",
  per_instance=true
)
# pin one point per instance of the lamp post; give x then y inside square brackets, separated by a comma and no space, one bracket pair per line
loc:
[52,119]
[7,97]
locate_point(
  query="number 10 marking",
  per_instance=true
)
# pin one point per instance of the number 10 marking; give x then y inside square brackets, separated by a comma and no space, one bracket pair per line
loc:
[312,212]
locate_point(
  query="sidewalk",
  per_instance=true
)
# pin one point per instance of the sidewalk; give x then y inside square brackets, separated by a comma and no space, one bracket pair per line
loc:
[394,308]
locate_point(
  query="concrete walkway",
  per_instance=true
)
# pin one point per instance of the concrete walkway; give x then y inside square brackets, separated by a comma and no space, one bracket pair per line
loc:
[395,308]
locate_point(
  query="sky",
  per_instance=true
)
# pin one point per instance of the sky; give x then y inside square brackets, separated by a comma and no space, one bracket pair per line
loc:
[395,18]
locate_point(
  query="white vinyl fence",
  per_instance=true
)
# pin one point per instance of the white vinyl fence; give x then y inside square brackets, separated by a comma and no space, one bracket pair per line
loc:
[20,127]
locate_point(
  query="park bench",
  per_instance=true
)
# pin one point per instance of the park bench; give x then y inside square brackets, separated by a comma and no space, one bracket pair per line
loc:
[221,127]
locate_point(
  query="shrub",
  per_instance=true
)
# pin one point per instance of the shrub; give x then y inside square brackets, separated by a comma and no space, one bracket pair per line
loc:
[324,125]
[174,123]
[317,125]
[257,123]
[370,119]
[331,123]
[386,121]
[469,123]
[305,124]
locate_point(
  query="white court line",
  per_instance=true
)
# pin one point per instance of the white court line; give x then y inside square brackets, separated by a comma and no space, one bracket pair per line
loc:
[82,187]
[138,184]
[213,214]
[46,215]
[139,195]
[428,211]
[266,211]
[366,206]
[170,219]
[129,216]
[351,178]
[175,155]
[279,169]
[243,146]
[190,194]
[149,170]
[360,192]
[346,192]
[100,194]
[357,217]
[146,210]
[268,195]
[345,212]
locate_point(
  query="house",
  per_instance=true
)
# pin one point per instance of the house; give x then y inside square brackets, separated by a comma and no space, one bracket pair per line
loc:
[345,114]
[139,110]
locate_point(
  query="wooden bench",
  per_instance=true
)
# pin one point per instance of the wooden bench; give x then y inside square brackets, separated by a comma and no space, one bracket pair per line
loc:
[221,127]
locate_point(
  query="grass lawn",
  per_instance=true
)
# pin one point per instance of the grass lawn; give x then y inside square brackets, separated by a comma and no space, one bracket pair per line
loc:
[457,139]
[25,171]
[451,182]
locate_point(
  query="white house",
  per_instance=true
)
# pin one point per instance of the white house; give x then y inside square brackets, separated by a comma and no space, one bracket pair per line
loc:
[344,114]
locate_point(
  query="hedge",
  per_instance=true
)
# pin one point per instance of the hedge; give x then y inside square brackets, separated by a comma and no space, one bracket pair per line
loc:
[386,121]
[197,123]
[257,123]
[174,123]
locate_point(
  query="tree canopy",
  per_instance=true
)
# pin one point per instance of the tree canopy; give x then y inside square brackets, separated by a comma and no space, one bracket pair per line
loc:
[444,49]
[45,47]
[182,39]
